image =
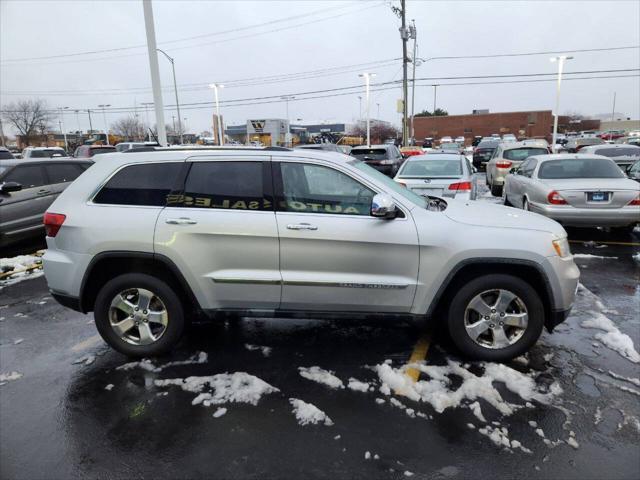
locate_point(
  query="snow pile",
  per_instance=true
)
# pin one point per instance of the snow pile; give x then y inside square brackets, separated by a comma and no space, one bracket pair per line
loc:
[438,393]
[219,412]
[19,265]
[500,436]
[8,377]
[266,351]
[613,337]
[237,387]
[307,413]
[588,255]
[149,366]
[320,375]
[357,385]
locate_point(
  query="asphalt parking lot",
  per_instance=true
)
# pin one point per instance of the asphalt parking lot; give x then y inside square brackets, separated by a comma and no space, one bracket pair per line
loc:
[569,409]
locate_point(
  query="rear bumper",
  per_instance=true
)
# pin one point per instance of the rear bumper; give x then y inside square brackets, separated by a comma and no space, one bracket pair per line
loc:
[498,176]
[588,217]
[386,169]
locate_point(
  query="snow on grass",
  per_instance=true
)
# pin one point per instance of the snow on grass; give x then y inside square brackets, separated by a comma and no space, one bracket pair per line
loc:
[8,377]
[237,387]
[357,385]
[307,413]
[266,351]
[588,256]
[319,375]
[613,338]
[149,366]
[19,265]
[219,412]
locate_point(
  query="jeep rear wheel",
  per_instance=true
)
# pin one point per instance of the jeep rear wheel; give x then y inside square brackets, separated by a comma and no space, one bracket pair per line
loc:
[139,315]
[495,317]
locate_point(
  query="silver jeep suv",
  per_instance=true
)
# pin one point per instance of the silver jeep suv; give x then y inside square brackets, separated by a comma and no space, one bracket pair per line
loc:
[150,240]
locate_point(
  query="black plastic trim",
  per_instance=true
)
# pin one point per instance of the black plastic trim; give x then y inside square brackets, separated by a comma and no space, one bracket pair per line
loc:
[67,301]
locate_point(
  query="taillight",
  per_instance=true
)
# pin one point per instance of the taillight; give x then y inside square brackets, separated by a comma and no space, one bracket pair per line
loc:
[52,223]
[503,164]
[555,198]
[635,201]
[402,183]
[461,186]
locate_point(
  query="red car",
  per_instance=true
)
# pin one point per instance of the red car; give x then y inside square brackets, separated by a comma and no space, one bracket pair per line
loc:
[611,135]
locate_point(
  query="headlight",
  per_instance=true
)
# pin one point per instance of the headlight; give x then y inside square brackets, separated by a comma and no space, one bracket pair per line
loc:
[561,246]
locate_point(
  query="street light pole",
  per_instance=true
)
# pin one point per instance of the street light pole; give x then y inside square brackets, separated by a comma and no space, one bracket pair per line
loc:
[63,131]
[435,91]
[413,33]
[378,105]
[360,108]
[287,135]
[104,115]
[175,90]
[155,73]
[367,77]
[613,110]
[561,59]
[79,128]
[215,87]
[90,124]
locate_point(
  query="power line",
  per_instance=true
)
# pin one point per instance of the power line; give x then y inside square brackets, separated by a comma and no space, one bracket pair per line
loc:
[526,54]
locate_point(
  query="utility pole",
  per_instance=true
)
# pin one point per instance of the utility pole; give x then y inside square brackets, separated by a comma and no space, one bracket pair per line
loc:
[413,34]
[435,91]
[79,128]
[104,116]
[613,110]
[175,90]
[90,124]
[62,129]
[215,87]
[287,135]
[561,59]
[155,73]
[404,34]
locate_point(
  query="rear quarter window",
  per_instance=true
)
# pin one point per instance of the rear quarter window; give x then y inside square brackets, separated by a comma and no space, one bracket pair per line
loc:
[147,184]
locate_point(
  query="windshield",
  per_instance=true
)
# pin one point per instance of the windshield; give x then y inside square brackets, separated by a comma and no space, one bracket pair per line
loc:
[450,146]
[431,168]
[618,152]
[96,151]
[46,153]
[372,153]
[519,154]
[390,184]
[579,168]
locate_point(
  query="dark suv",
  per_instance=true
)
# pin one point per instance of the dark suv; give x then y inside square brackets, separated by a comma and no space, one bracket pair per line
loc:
[483,152]
[384,158]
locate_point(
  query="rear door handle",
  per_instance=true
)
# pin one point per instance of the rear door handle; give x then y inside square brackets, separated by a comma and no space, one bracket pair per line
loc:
[44,192]
[301,226]
[180,221]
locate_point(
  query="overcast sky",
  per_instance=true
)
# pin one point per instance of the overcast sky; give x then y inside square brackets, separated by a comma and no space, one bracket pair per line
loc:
[240,40]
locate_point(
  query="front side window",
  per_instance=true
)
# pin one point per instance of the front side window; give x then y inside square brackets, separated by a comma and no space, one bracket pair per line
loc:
[310,188]
[145,184]
[225,185]
[29,176]
[63,172]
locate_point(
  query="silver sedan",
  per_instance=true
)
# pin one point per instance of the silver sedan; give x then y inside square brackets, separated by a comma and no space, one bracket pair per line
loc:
[439,174]
[576,190]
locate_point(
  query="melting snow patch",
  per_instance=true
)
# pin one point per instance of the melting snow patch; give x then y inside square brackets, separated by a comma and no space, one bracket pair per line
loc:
[307,413]
[18,341]
[237,387]
[7,377]
[407,473]
[19,265]
[635,381]
[86,360]
[266,351]
[109,387]
[219,412]
[477,411]
[148,365]
[320,375]
[380,401]
[636,257]
[588,255]
[367,455]
[500,436]
[357,385]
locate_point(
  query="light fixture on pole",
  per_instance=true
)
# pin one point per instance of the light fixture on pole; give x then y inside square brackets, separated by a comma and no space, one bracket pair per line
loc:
[62,130]
[215,87]
[287,135]
[104,116]
[175,90]
[561,59]
[367,77]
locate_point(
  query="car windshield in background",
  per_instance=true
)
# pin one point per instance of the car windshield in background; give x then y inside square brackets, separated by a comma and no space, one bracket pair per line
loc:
[370,153]
[579,168]
[519,154]
[432,168]
[391,184]
[450,146]
[97,151]
[619,152]
[46,153]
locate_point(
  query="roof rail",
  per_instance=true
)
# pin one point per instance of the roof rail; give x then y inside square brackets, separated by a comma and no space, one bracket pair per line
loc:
[204,147]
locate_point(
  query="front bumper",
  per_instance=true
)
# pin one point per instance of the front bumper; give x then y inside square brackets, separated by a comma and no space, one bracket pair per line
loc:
[556,318]
[588,217]
[67,301]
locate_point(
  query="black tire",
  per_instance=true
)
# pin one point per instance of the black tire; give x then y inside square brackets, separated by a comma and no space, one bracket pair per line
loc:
[175,311]
[456,321]
[525,204]
[496,190]
[505,200]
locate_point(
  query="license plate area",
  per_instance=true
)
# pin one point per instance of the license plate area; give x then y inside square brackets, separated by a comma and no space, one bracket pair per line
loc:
[598,197]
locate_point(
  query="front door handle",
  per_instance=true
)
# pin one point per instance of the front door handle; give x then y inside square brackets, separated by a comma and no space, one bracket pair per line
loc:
[180,221]
[44,192]
[301,226]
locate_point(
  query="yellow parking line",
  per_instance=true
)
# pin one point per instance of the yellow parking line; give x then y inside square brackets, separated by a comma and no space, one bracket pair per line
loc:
[626,244]
[419,354]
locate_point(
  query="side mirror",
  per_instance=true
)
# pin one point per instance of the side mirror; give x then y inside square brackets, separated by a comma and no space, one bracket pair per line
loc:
[514,170]
[8,187]
[383,206]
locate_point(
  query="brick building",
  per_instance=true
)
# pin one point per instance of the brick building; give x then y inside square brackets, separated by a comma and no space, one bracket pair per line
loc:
[532,124]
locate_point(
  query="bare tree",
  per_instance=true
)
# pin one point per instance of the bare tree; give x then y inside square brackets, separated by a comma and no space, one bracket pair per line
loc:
[29,118]
[380,132]
[130,128]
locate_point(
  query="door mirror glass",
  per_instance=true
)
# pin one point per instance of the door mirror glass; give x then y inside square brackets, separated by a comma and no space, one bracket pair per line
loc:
[514,170]
[383,206]
[8,187]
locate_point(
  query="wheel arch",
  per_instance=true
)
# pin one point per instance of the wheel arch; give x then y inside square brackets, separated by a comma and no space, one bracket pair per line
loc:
[108,265]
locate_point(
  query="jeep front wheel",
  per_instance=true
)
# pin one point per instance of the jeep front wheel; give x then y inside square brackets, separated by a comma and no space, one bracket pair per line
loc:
[495,317]
[139,315]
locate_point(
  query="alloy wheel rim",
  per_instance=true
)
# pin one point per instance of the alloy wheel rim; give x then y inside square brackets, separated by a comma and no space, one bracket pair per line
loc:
[138,316]
[496,319]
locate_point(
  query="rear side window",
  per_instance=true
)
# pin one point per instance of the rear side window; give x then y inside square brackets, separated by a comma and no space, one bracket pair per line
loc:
[63,172]
[29,176]
[147,184]
[226,185]
[97,151]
